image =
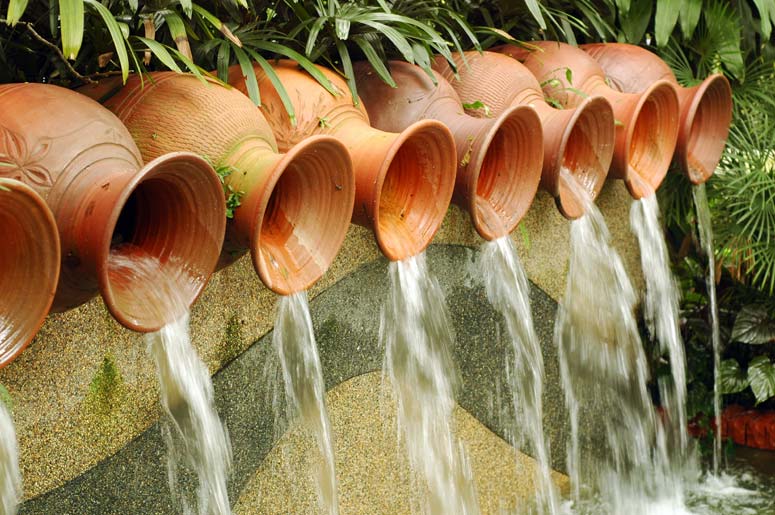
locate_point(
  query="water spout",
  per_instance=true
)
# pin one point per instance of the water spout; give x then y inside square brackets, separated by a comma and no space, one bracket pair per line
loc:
[10,477]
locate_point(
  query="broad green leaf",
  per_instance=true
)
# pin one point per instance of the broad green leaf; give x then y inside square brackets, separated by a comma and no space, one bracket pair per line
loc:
[161,53]
[623,5]
[766,10]
[133,5]
[116,34]
[277,83]
[665,19]
[535,9]
[374,60]
[347,65]
[15,11]
[754,324]
[635,22]
[733,380]
[690,15]
[302,61]
[71,20]
[761,376]
[249,74]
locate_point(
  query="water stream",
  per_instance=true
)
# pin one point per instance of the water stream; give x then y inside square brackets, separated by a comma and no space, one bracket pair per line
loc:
[10,477]
[706,239]
[294,342]
[416,331]
[197,442]
[508,291]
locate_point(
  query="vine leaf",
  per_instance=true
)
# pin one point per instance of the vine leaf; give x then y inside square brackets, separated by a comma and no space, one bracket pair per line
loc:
[754,325]
[733,380]
[761,375]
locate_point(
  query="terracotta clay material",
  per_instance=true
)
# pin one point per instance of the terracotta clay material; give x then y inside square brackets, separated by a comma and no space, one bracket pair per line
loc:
[403,181]
[296,207]
[579,140]
[706,109]
[83,162]
[499,158]
[29,266]
[647,122]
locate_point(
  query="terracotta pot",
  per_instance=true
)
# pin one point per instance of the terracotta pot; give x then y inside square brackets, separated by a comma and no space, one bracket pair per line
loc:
[296,207]
[579,140]
[82,161]
[706,109]
[29,266]
[647,122]
[499,158]
[403,181]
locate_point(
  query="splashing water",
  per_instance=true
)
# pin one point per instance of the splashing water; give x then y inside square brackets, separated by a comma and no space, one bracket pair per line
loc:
[602,363]
[416,330]
[508,291]
[294,341]
[705,229]
[195,437]
[10,477]
[661,312]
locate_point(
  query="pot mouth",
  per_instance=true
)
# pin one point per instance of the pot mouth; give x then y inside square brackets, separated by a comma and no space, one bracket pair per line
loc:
[304,216]
[652,135]
[162,241]
[414,188]
[508,170]
[585,153]
[29,266]
[705,128]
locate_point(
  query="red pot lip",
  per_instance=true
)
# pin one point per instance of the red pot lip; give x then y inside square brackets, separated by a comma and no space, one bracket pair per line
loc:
[147,172]
[591,102]
[306,145]
[441,131]
[513,111]
[52,236]
[713,80]
[640,187]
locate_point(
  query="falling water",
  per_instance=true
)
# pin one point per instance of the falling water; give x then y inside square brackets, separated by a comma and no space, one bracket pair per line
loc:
[195,437]
[294,341]
[706,238]
[508,291]
[10,478]
[661,312]
[602,363]
[416,331]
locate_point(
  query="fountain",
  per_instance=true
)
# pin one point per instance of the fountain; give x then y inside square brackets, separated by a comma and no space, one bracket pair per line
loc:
[10,478]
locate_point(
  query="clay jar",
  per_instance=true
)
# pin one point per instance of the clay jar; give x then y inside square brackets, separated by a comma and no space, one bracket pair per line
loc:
[83,162]
[647,123]
[706,109]
[403,181]
[29,266]
[499,158]
[296,207]
[579,140]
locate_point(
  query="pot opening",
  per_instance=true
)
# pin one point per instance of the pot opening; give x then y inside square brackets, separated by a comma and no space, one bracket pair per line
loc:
[29,267]
[509,174]
[164,245]
[652,140]
[587,154]
[306,218]
[416,190]
[708,129]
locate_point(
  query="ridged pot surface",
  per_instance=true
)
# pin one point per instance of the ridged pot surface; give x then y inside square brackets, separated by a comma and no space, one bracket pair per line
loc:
[706,109]
[499,158]
[403,181]
[295,208]
[80,158]
[29,266]
[647,122]
[578,141]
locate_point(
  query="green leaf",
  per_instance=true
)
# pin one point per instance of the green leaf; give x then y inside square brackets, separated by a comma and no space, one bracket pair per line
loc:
[313,35]
[374,60]
[761,375]
[347,64]
[689,16]
[732,379]
[161,53]
[178,32]
[754,324]
[665,19]
[535,9]
[223,61]
[395,37]
[635,22]
[187,7]
[766,10]
[302,61]
[5,398]
[116,34]
[218,24]
[249,74]
[71,20]
[271,74]
[15,11]
[342,28]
